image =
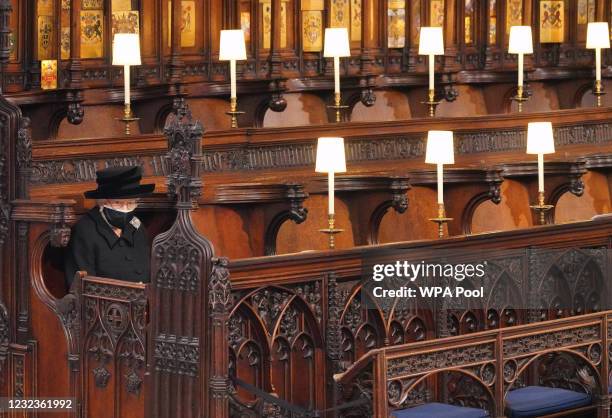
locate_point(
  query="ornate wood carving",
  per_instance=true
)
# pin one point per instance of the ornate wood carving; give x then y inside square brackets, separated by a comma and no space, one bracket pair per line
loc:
[113,317]
[186,350]
[566,350]
[251,154]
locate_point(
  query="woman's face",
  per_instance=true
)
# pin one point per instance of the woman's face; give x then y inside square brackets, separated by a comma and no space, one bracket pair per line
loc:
[122,205]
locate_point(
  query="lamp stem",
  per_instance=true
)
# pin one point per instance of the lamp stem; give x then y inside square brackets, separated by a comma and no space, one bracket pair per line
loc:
[126,84]
[520,69]
[337,75]
[541,173]
[440,184]
[232,78]
[597,64]
[330,190]
[432,61]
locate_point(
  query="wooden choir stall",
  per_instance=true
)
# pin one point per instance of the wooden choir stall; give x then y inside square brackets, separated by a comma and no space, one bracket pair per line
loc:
[284,178]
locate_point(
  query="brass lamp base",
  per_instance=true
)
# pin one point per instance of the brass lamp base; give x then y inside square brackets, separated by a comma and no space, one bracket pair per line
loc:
[331,231]
[441,220]
[234,112]
[520,98]
[431,103]
[541,208]
[338,107]
[598,91]
[128,118]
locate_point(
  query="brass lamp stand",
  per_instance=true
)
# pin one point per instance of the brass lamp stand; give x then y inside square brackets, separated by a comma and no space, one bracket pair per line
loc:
[431,103]
[338,107]
[331,231]
[234,112]
[128,117]
[441,220]
[598,91]
[520,98]
[541,208]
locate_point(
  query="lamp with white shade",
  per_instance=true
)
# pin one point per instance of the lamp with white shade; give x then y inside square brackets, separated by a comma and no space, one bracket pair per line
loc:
[337,46]
[540,141]
[431,43]
[232,48]
[440,151]
[126,52]
[330,159]
[598,37]
[521,43]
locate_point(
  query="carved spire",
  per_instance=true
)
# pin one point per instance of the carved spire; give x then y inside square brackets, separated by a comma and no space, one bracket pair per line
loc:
[184,157]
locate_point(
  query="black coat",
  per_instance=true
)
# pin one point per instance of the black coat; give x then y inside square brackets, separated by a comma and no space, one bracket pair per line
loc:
[96,249]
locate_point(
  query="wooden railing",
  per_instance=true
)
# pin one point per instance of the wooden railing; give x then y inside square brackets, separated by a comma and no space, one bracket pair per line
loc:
[494,360]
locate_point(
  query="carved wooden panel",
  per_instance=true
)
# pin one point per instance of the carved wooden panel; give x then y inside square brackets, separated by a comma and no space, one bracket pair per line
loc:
[113,321]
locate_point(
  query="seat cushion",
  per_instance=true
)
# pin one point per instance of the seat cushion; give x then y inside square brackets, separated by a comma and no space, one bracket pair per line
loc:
[533,401]
[440,410]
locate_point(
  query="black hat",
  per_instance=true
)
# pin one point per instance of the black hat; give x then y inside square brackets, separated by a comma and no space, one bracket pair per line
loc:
[119,183]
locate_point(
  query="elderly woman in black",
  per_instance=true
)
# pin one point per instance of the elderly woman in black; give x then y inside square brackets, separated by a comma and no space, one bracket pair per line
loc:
[110,241]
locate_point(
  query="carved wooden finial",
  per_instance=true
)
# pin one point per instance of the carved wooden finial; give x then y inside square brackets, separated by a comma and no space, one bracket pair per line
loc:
[184,155]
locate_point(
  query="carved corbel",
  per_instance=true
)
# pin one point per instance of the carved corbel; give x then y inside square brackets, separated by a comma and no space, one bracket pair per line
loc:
[495,180]
[277,102]
[60,235]
[75,113]
[297,213]
[449,93]
[399,202]
[368,97]
[576,185]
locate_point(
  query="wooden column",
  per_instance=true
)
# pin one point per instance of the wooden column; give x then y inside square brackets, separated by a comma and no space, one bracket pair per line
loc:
[275,47]
[450,35]
[370,41]
[176,61]
[74,68]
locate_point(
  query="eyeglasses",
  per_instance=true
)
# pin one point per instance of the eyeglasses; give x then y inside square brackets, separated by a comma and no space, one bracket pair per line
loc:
[123,204]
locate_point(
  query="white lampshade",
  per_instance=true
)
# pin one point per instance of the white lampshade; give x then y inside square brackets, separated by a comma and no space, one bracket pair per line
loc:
[231,45]
[431,41]
[598,35]
[336,43]
[540,138]
[126,49]
[520,40]
[440,148]
[330,155]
